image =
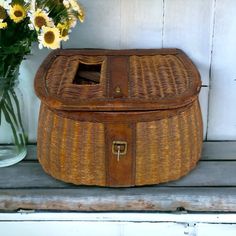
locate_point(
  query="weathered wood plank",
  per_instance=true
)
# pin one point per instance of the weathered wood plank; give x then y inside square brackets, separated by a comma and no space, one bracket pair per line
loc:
[27,175]
[31,153]
[71,228]
[189,25]
[88,228]
[129,217]
[128,199]
[101,28]
[186,24]
[26,186]
[31,175]
[213,173]
[219,151]
[215,229]
[138,29]
[222,112]
[211,151]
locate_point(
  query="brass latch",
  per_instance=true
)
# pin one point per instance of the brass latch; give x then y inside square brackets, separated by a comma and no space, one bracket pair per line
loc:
[119,148]
[118,90]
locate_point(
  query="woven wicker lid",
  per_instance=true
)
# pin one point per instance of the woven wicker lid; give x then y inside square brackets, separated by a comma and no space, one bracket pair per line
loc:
[117,80]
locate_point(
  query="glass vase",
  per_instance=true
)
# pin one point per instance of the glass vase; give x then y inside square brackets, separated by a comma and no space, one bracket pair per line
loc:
[12,135]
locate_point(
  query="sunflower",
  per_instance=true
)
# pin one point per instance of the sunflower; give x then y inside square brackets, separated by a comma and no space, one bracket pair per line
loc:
[72,20]
[78,9]
[66,3]
[17,13]
[81,15]
[3,25]
[74,4]
[6,4]
[50,37]
[40,18]
[64,31]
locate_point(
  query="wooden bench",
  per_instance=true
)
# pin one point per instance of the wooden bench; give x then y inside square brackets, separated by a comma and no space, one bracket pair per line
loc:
[211,187]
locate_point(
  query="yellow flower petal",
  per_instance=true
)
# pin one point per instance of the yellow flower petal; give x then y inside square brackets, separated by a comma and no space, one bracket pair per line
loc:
[3,25]
[17,13]
[40,18]
[50,37]
[81,16]
[78,9]
[64,31]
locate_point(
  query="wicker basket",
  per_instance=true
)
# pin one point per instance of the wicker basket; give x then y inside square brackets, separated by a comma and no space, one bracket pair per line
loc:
[118,118]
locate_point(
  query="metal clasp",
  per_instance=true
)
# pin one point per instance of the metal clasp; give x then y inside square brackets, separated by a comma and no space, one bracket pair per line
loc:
[118,90]
[119,148]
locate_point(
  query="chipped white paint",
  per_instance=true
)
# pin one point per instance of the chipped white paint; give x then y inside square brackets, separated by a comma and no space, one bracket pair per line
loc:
[117,224]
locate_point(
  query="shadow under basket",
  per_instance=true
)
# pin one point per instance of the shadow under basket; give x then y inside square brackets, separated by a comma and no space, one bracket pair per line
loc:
[118,118]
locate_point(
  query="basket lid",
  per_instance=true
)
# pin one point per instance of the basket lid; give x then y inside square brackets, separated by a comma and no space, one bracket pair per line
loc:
[117,80]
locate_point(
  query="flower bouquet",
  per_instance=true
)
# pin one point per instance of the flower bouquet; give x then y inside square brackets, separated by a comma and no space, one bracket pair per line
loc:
[22,22]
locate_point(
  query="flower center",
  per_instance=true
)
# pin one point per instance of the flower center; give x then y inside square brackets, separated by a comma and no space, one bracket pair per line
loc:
[18,13]
[39,21]
[49,37]
[64,32]
[2,13]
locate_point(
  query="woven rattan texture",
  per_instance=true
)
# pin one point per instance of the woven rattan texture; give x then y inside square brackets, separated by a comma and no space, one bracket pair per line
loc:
[59,79]
[74,151]
[158,77]
[167,149]
[71,151]
[118,118]
[150,77]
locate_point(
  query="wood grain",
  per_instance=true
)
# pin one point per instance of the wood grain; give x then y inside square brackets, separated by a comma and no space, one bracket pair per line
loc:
[188,25]
[26,186]
[138,199]
[222,112]
[207,173]
[137,28]
[219,151]
[212,151]
[101,28]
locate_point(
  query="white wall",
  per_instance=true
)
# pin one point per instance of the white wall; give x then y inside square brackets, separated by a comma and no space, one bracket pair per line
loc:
[222,109]
[204,29]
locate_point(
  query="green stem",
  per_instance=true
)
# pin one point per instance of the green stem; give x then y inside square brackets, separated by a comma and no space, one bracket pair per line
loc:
[11,118]
[9,103]
[17,108]
[9,121]
[10,109]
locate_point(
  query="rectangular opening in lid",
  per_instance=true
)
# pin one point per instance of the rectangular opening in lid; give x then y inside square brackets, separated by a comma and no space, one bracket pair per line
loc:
[88,74]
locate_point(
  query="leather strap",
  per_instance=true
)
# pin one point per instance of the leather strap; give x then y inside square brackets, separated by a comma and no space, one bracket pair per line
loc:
[118,77]
[124,117]
[120,169]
